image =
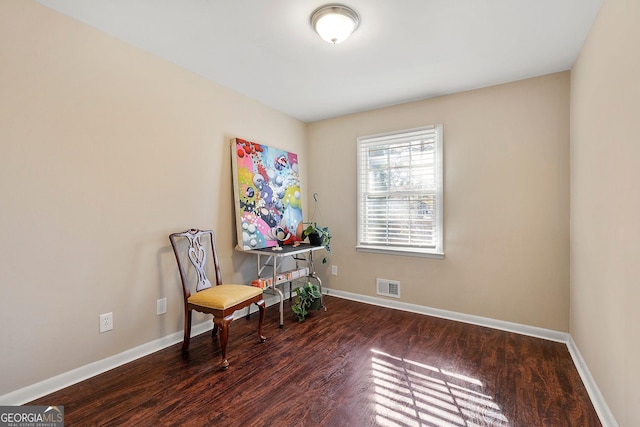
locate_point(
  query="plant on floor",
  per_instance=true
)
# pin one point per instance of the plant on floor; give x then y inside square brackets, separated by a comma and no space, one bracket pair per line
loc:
[307,298]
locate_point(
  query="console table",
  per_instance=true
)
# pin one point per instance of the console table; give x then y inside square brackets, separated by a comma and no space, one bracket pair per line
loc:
[268,257]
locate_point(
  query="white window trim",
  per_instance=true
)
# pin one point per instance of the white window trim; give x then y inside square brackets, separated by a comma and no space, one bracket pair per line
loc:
[438,251]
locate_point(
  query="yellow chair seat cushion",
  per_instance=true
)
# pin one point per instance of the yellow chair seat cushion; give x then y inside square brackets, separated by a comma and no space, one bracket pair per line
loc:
[222,297]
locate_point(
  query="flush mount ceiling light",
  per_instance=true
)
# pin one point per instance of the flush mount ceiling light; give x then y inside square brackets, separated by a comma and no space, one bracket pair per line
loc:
[334,22]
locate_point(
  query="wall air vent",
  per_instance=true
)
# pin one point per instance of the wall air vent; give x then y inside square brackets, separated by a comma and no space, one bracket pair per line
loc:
[389,288]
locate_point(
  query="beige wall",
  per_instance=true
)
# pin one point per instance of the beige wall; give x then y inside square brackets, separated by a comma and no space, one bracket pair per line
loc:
[506,182]
[105,150]
[605,206]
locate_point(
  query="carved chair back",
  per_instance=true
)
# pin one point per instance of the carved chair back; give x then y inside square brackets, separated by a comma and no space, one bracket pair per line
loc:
[197,259]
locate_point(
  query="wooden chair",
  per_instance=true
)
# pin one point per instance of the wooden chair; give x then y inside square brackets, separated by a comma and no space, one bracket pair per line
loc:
[221,300]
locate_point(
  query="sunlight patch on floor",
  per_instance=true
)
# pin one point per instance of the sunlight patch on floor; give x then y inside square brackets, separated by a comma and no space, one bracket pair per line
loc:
[408,393]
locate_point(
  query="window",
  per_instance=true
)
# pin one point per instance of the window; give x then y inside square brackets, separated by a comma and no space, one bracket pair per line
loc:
[400,196]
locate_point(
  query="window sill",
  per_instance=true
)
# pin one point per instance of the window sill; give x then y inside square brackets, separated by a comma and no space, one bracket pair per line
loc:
[423,253]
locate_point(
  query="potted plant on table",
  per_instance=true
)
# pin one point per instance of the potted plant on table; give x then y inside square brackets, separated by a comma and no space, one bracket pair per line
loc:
[308,297]
[318,236]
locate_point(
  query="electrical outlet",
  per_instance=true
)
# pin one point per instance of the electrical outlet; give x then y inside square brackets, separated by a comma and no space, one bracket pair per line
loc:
[106,322]
[334,270]
[161,306]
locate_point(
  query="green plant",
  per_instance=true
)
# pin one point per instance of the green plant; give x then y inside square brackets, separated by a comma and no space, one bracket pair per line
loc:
[319,236]
[306,296]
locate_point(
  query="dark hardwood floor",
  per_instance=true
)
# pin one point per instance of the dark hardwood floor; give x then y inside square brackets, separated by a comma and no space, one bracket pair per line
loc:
[353,365]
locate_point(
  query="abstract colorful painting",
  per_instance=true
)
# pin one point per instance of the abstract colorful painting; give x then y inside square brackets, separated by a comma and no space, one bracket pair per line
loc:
[267,195]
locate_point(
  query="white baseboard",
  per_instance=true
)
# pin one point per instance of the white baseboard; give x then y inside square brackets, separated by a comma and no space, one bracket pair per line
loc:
[48,386]
[606,416]
[533,331]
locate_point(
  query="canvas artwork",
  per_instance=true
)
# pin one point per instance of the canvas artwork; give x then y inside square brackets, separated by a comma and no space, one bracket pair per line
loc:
[267,195]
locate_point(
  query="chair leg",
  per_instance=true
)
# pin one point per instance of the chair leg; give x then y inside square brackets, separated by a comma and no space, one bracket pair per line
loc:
[187,330]
[214,331]
[223,324]
[261,307]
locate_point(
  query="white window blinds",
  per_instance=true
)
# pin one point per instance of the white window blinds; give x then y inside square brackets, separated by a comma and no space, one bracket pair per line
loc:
[400,191]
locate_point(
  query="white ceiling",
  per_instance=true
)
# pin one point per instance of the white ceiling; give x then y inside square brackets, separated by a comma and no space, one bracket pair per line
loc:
[404,50]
